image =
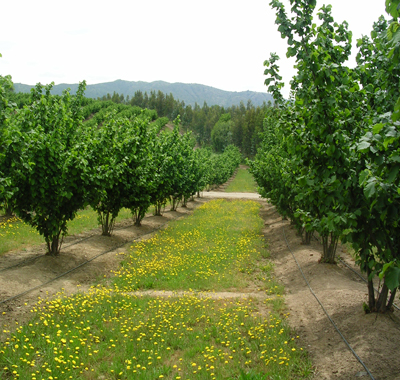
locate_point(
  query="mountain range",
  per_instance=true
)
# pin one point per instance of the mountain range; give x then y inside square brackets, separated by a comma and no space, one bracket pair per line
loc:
[189,93]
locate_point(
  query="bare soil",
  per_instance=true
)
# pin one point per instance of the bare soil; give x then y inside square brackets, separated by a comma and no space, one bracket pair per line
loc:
[375,338]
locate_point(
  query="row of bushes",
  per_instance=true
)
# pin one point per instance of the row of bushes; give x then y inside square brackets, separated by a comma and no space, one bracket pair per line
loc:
[52,163]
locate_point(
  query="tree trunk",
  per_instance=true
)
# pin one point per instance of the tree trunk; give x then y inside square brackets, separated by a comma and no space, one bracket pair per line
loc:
[157,208]
[371,292]
[391,299]
[9,212]
[381,302]
[329,245]
[138,215]
[107,223]
[54,245]
[306,237]
[175,203]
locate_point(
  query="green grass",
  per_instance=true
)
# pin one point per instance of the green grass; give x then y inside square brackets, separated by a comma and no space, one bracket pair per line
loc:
[15,234]
[198,253]
[242,183]
[109,334]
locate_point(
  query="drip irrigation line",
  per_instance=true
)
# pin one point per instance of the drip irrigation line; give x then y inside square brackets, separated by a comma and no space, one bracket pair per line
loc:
[85,262]
[323,308]
[36,257]
[65,246]
[21,263]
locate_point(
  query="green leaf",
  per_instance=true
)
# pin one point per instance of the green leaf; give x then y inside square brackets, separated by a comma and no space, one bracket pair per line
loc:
[393,174]
[369,190]
[391,8]
[396,113]
[392,278]
[363,145]
[396,37]
[377,128]
[395,158]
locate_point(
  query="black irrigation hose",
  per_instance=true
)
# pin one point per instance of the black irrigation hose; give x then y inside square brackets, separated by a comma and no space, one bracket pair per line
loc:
[84,263]
[36,257]
[322,306]
[65,246]
[21,263]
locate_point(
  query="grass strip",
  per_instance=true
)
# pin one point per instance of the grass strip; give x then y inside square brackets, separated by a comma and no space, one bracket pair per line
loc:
[214,249]
[242,183]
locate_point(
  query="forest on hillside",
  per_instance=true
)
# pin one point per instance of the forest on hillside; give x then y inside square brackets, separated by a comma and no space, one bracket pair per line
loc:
[212,126]
[190,93]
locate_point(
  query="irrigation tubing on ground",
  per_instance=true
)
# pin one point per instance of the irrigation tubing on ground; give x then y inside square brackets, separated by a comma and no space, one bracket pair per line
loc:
[36,257]
[323,308]
[84,263]
[65,246]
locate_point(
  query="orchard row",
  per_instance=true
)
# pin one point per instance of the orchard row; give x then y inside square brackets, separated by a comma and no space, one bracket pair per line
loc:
[52,164]
[330,156]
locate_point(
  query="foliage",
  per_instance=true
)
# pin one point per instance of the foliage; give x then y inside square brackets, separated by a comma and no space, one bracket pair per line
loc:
[167,163]
[375,237]
[118,156]
[48,161]
[321,123]
[6,109]
[221,134]
[222,166]
[329,160]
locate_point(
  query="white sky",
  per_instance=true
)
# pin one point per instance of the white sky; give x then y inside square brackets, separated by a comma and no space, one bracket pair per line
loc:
[219,43]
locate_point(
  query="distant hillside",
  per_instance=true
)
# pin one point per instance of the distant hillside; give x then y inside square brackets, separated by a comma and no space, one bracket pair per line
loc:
[189,93]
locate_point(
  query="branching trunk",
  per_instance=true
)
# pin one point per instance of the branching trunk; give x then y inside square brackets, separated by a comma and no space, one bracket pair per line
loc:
[329,245]
[158,207]
[54,245]
[107,223]
[381,304]
[175,203]
[138,215]
[306,237]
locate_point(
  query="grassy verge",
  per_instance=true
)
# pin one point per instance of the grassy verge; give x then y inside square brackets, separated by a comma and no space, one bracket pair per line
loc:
[108,333]
[15,234]
[242,183]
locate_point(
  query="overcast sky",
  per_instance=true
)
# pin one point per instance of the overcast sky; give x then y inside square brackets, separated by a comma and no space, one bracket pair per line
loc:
[219,43]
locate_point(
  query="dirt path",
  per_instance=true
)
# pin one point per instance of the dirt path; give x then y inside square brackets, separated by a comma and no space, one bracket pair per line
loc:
[375,338]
